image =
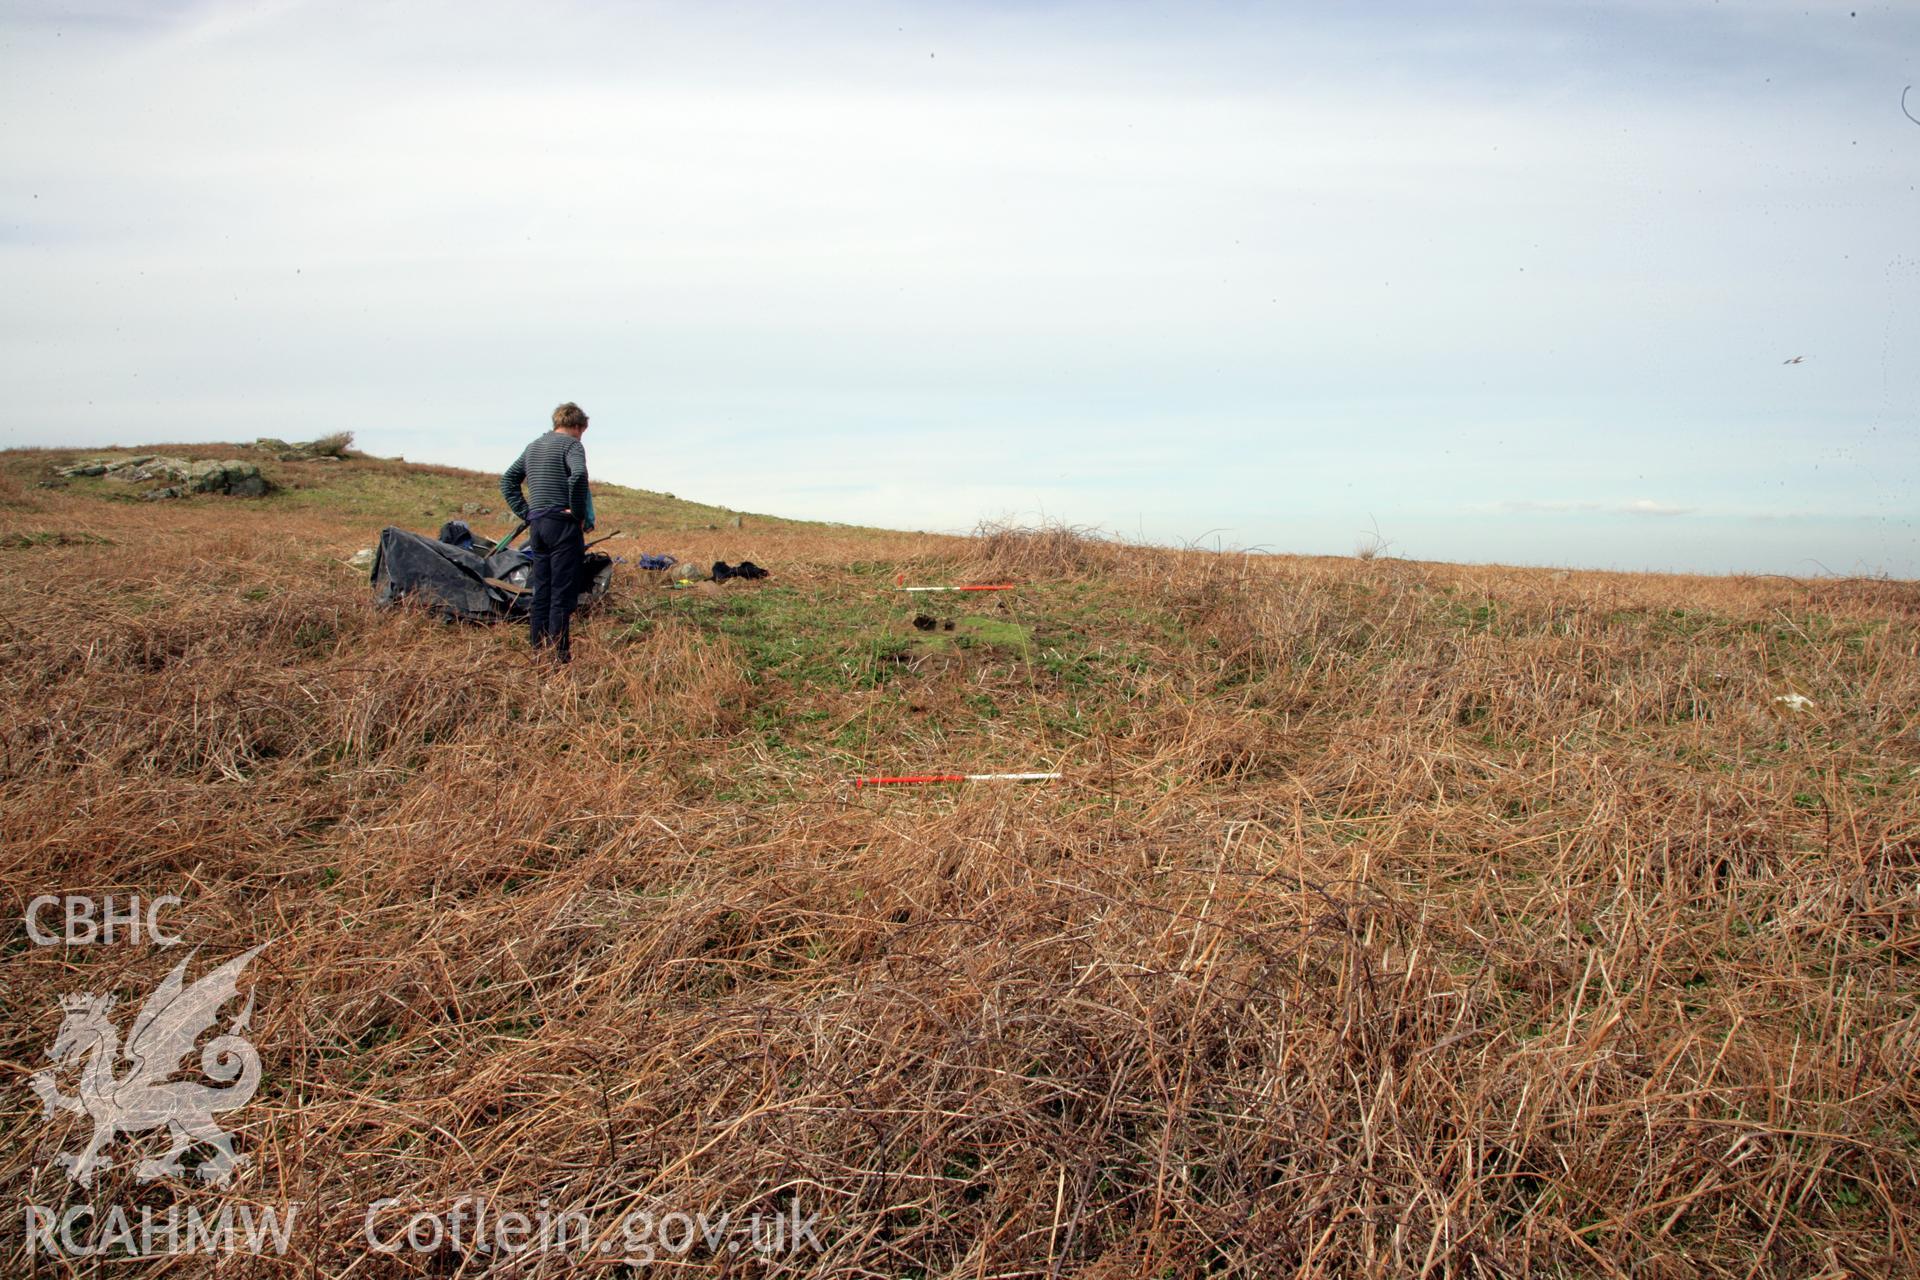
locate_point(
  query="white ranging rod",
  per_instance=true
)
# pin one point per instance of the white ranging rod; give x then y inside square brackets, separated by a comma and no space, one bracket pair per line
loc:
[953,777]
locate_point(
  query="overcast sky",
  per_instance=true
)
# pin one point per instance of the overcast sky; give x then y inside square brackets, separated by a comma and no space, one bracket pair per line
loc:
[1507,281]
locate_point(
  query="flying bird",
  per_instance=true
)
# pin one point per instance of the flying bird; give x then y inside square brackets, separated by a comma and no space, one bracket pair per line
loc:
[1795,360]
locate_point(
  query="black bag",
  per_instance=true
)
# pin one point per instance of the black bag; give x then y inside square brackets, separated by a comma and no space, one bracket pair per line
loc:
[745,569]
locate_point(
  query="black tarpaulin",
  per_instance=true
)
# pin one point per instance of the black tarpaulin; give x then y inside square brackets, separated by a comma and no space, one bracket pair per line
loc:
[412,566]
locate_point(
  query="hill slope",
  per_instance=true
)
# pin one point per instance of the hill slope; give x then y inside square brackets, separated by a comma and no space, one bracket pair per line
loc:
[1391,918]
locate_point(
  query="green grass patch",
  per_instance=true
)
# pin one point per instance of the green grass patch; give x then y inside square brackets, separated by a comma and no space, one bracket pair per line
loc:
[973,631]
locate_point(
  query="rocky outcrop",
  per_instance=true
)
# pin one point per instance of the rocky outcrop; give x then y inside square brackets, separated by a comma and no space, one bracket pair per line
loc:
[179,477]
[240,479]
[325,449]
[102,466]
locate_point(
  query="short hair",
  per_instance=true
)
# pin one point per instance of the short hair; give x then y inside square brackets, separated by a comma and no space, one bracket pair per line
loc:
[568,417]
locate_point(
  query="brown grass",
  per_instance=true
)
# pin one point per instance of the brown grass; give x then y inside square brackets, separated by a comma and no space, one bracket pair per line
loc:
[1396,919]
[1041,552]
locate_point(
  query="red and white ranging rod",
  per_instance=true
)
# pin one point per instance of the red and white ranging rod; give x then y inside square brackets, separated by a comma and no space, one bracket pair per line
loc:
[900,581]
[916,778]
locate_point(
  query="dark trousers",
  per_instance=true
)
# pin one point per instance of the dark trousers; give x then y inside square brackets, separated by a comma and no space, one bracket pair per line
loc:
[558,545]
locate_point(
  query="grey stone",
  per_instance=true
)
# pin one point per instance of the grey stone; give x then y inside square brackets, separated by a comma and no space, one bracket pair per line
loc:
[325,449]
[178,476]
[222,476]
[160,468]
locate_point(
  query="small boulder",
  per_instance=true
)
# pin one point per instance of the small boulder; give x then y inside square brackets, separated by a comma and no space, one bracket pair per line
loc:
[474,509]
[207,477]
[161,495]
[159,468]
[362,559]
[229,476]
[326,448]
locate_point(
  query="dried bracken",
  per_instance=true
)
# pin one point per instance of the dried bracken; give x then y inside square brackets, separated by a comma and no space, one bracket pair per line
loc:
[1394,919]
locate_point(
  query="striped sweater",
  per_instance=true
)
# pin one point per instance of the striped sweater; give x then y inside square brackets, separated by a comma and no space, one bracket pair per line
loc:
[554,469]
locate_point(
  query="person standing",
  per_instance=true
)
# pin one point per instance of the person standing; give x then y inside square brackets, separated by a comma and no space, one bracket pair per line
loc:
[558,509]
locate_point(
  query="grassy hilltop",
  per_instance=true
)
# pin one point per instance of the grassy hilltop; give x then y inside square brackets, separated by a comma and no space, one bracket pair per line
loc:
[1392,919]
